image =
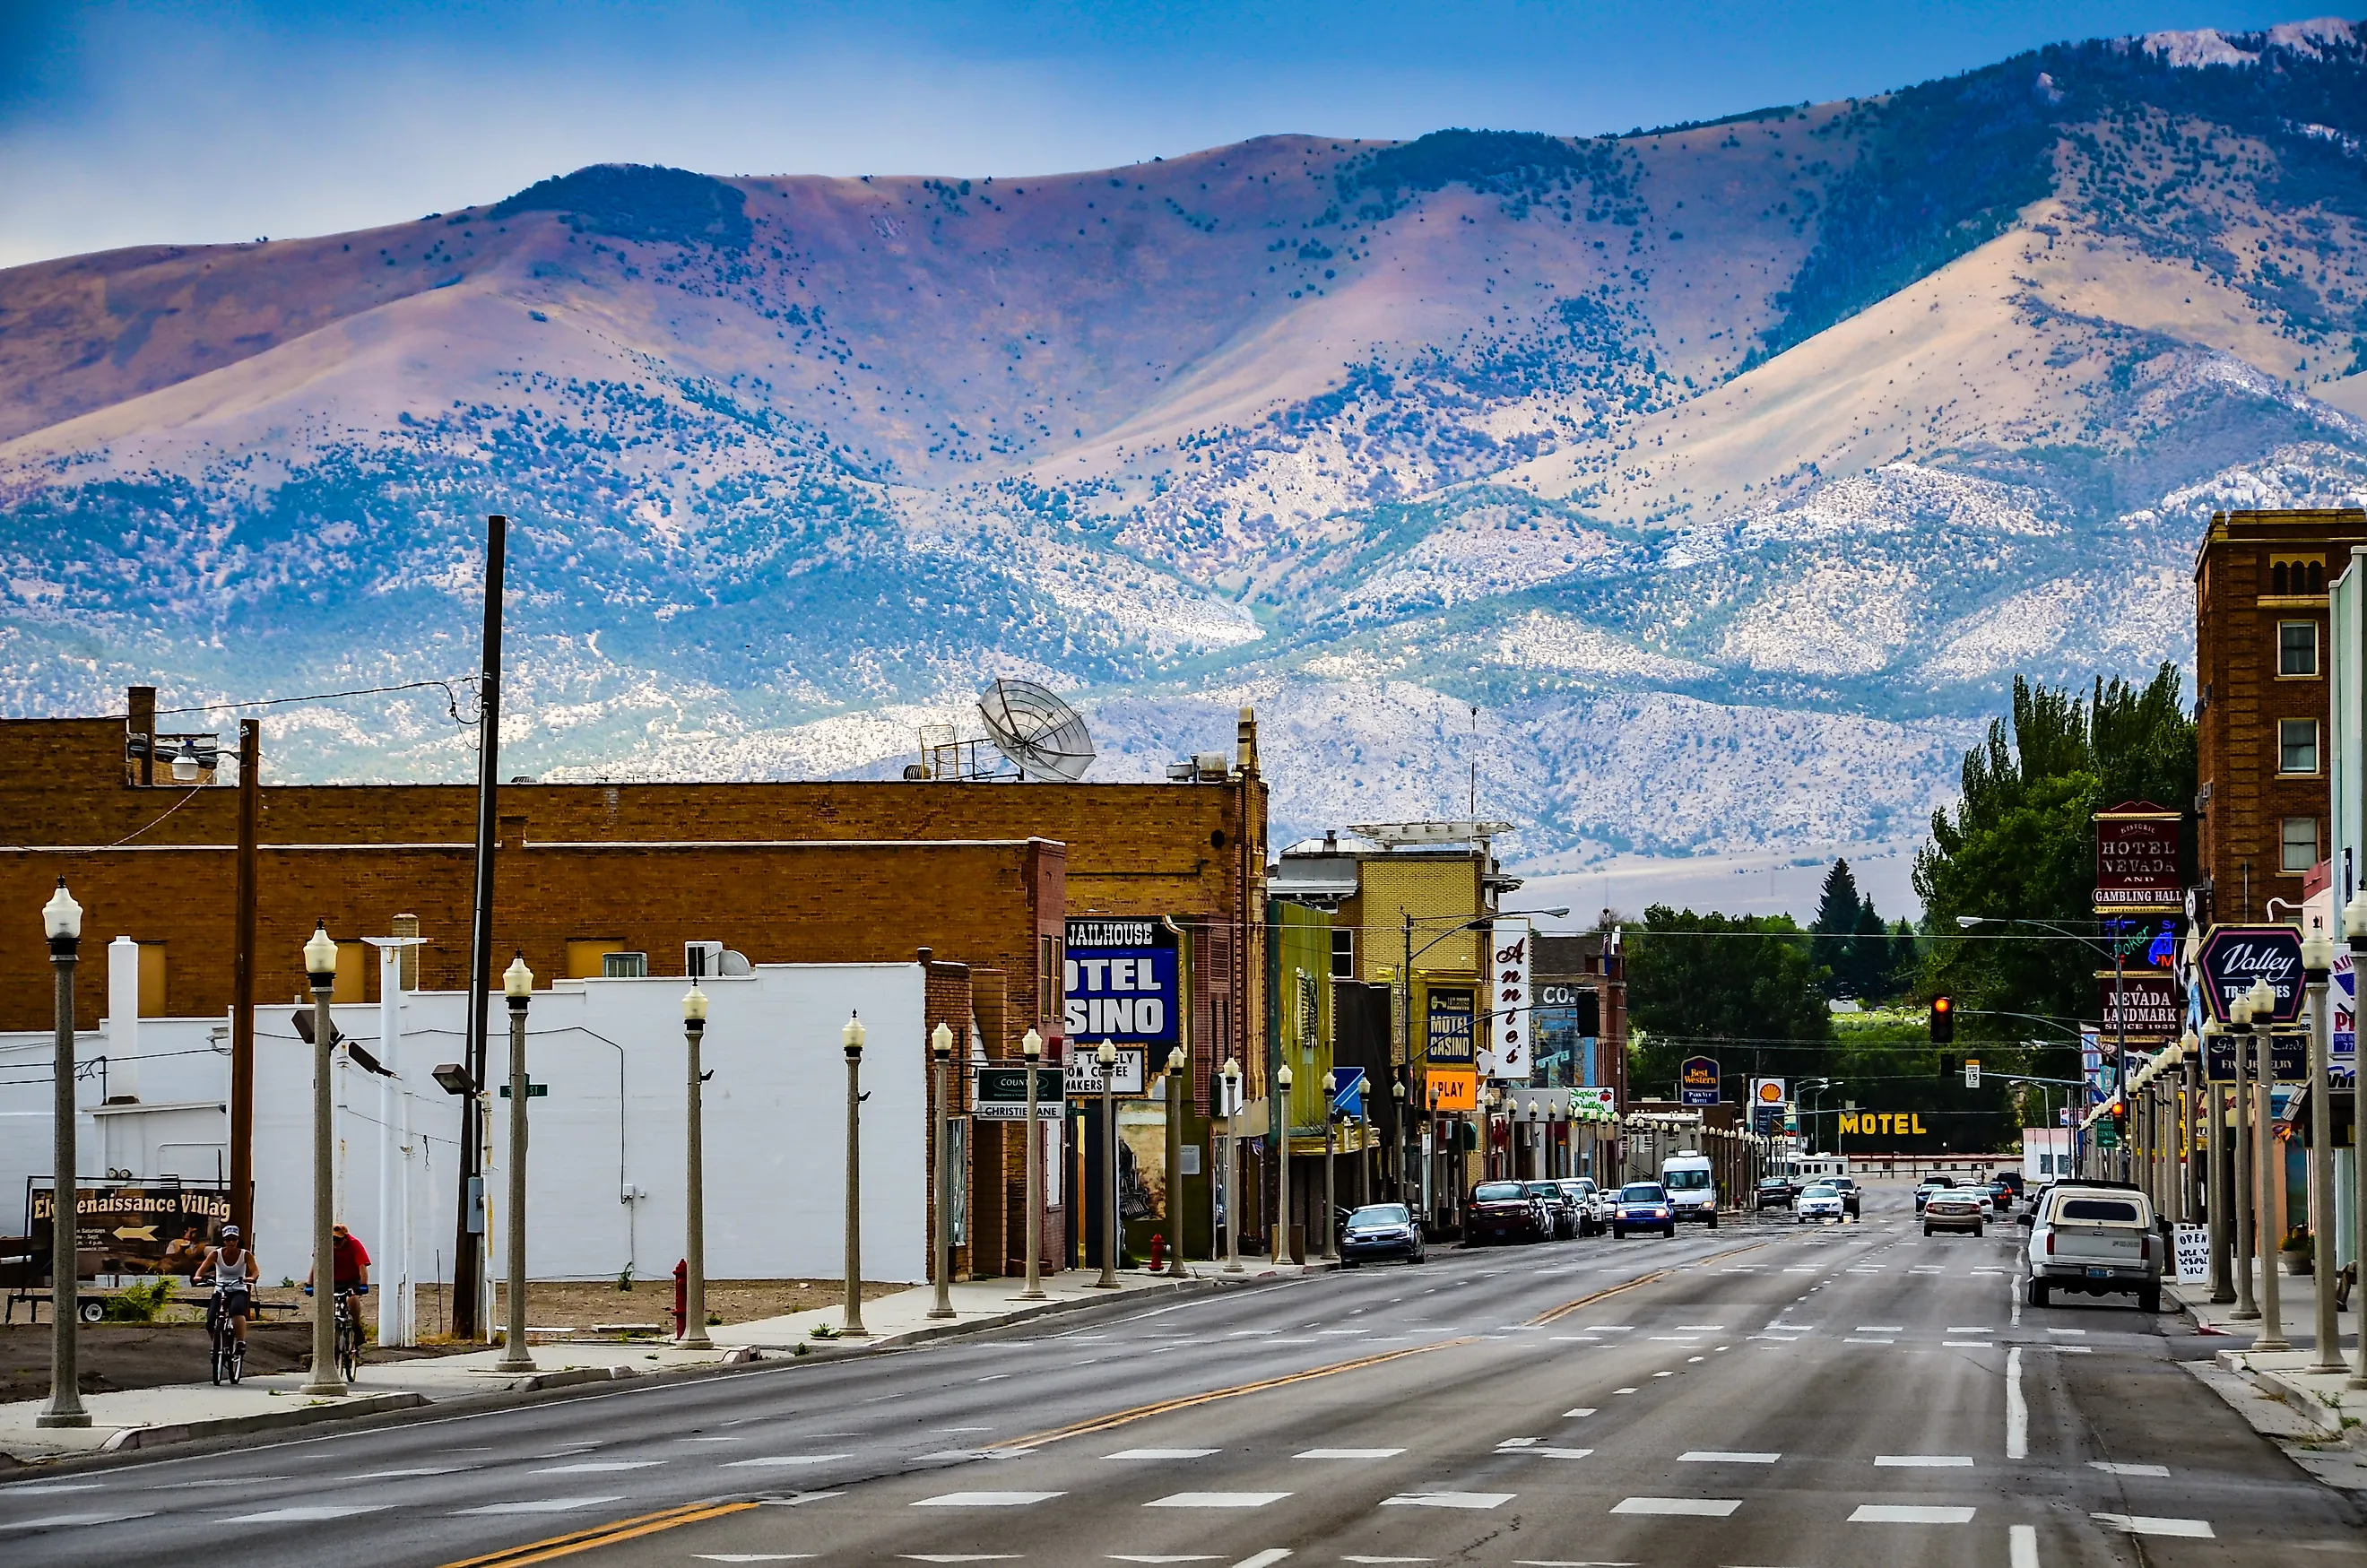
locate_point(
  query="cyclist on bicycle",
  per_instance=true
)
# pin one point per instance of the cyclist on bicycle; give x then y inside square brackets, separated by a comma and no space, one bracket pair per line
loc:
[349,1267]
[232,1266]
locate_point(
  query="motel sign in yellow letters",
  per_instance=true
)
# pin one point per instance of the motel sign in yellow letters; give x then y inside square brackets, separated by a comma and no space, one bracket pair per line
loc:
[1885,1124]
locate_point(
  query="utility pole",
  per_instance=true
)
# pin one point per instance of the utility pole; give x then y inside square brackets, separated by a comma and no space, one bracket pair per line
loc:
[242,979]
[467,1241]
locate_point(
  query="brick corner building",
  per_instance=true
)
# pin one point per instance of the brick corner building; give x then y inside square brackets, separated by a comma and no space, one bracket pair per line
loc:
[2262,708]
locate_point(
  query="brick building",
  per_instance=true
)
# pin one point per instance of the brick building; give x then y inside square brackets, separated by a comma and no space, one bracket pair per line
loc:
[2260,658]
[982,874]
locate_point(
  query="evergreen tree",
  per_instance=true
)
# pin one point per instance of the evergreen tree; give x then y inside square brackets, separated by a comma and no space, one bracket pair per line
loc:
[1839,913]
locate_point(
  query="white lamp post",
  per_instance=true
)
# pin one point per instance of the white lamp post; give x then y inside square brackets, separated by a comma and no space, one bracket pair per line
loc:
[1231,1072]
[694,1197]
[321,968]
[2354,928]
[941,1050]
[2264,1184]
[2317,965]
[518,987]
[1175,1162]
[1031,1052]
[1283,1252]
[851,1316]
[61,922]
[1105,1057]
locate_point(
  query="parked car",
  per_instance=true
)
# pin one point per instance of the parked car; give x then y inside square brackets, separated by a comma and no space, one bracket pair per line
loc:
[1956,1209]
[1692,1187]
[1380,1231]
[2096,1238]
[1559,1208]
[2000,1196]
[2014,1180]
[1501,1211]
[1642,1206]
[1774,1192]
[1819,1200]
[1593,1204]
[1852,1200]
[1929,1185]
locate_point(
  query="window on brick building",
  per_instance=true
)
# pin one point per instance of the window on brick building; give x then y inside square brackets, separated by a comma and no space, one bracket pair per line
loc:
[2296,745]
[1051,973]
[1343,952]
[2299,844]
[2296,648]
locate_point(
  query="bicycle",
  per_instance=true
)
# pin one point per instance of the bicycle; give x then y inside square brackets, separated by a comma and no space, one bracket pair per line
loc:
[349,1330]
[228,1349]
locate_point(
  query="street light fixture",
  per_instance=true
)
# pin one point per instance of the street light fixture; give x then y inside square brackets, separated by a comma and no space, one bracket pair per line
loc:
[1105,1058]
[694,1204]
[186,764]
[1031,1051]
[2354,928]
[321,968]
[1284,1251]
[61,923]
[941,1051]
[517,986]
[851,1314]
[1175,1160]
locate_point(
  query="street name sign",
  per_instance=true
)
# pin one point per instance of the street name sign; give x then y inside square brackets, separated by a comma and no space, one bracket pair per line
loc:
[2232,957]
[1347,1093]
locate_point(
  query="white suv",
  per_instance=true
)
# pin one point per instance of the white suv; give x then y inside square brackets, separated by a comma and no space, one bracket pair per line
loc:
[1692,1187]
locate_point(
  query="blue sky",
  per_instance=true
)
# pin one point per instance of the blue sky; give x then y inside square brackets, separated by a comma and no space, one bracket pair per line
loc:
[134,123]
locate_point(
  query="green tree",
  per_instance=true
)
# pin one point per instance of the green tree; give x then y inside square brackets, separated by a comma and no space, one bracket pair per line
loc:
[2020,846]
[1740,987]
[1839,911]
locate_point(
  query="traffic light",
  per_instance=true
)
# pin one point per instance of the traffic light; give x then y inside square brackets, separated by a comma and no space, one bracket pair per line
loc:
[1947,1065]
[1944,1020]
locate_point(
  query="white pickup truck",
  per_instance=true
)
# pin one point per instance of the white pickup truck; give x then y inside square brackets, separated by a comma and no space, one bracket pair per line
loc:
[2097,1239]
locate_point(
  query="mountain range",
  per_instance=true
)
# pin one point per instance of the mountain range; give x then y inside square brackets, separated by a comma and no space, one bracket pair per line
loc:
[1701,487]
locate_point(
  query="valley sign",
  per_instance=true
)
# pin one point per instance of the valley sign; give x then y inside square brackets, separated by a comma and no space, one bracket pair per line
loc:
[2235,956]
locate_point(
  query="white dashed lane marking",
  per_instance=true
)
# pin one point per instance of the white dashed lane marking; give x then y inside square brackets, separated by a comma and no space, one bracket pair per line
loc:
[541,1505]
[1446,1500]
[2142,1524]
[1348,1453]
[1162,1453]
[1909,1514]
[1712,1456]
[986,1499]
[1689,1507]
[1216,1500]
[1922,1462]
[2112,1467]
[779,1462]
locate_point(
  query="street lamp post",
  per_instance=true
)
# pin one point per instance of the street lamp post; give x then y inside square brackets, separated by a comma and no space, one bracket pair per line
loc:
[851,1314]
[1175,1161]
[2190,1182]
[1330,1253]
[1284,1251]
[2217,1204]
[2264,1146]
[2239,1014]
[1105,1057]
[1232,1074]
[62,920]
[518,985]
[694,1202]
[1031,1051]
[2317,965]
[2354,928]
[321,968]
[941,1050]
[1397,1098]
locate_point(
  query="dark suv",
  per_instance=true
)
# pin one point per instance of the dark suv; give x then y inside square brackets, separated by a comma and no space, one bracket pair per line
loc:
[1774,1192]
[1504,1211]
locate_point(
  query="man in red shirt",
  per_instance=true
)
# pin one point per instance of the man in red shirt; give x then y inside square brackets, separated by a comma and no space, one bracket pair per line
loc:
[350,1262]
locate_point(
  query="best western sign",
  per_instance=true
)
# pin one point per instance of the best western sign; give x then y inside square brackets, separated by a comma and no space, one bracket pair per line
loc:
[1883,1124]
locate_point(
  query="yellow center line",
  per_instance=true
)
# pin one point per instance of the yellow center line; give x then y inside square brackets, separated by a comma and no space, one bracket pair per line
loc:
[600,1535]
[1120,1418]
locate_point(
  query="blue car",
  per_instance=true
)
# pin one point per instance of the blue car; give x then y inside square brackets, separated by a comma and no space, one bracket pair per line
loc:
[1642,1206]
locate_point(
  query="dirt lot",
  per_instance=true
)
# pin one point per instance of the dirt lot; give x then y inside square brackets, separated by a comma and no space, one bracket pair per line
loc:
[585,1303]
[114,1356]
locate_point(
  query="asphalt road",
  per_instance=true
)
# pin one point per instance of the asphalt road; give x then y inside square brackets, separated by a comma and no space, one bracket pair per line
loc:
[1763,1395]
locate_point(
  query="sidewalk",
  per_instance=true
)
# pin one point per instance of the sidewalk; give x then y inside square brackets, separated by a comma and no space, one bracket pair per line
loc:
[151,1417]
[2314,1416]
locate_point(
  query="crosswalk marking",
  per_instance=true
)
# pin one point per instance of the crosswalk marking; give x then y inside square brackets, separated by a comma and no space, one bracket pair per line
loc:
[539,1506]
[1216,1500]
[2112,1467]
[598,1466]
[1543,1452]
[986,1499]
[777,1462]
[1713,1456]
[1909,1514]
[1922,1462]
[1688,1508]
[1446,1500]
[304,1513]
[1162,1453]
[1348,1453]
[2145,1524]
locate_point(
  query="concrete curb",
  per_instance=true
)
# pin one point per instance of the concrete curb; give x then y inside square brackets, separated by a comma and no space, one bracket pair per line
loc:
[2296,1396]
[130,1437]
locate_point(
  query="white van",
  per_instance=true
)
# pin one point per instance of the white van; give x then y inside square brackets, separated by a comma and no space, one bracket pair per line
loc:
[1693,1189]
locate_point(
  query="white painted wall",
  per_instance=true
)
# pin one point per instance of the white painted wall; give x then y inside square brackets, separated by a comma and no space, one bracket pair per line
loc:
[605,1177]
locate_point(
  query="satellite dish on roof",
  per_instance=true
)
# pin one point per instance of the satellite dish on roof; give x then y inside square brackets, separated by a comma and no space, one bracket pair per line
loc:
[1042,735]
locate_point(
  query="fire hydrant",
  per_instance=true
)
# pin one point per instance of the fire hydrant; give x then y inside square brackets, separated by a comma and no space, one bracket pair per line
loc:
[1158,1248]
[681,1297]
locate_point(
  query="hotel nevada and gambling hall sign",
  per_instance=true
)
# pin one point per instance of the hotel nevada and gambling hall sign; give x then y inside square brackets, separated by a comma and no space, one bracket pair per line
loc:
[2136,860]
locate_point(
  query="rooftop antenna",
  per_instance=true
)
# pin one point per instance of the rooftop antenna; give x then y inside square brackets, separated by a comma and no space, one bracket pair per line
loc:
[1042,736]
